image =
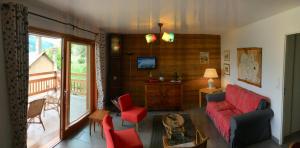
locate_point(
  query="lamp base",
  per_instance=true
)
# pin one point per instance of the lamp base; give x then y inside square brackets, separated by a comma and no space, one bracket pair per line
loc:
[210,84]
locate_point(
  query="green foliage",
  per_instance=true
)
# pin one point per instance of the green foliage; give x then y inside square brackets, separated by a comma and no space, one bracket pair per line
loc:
[78,59]
[50,54]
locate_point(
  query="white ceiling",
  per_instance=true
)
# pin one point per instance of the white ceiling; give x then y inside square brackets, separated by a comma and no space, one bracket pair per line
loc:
[179,16]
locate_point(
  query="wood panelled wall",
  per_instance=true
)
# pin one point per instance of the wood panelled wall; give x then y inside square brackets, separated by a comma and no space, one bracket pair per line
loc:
[182,56]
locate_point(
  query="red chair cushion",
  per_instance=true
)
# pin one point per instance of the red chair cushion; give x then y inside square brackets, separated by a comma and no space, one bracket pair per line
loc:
[125,102]
[127,139]
[120,139]
[135,114]
[108,129]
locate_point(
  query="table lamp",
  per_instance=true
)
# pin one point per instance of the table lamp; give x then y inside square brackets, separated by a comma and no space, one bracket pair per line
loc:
[210,73]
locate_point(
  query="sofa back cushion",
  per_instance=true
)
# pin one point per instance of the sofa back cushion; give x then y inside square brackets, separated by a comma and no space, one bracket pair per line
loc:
[232,94]
[244,100]
[249,101]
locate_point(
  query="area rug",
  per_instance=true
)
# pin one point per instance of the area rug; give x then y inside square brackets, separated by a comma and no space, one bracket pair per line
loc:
[158,130]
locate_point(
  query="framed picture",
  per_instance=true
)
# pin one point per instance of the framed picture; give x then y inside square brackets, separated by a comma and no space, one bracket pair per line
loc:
[204,57]
[226,69]
[250,65]
[226,55]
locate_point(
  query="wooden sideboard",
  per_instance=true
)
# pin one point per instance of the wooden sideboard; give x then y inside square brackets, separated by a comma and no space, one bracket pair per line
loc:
[163,96]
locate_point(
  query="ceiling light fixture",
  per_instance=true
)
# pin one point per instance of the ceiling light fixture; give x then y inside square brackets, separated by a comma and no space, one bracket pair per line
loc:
[167,36]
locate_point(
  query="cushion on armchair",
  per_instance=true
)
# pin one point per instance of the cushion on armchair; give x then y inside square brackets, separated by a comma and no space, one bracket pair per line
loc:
[127,138]
[129,112]
[135,114]
[125,102]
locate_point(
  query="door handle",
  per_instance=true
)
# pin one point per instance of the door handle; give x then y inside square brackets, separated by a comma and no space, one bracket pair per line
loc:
[66,92]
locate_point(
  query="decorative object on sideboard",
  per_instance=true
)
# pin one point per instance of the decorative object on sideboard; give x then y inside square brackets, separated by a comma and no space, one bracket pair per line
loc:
[249,62]
[166,36]
[161,78]
[226,55]
[151,79]
[226,69]
[150,75]
[210,73]
[204,57]
[176,77]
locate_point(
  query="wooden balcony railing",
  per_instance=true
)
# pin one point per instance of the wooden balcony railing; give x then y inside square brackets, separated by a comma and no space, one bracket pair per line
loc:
[42,82]
[48,81]
[78,87]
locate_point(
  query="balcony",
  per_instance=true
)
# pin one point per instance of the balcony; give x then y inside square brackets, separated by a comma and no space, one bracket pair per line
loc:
[43,85]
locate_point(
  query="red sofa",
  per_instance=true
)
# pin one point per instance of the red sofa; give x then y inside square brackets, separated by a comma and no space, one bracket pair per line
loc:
[241,116]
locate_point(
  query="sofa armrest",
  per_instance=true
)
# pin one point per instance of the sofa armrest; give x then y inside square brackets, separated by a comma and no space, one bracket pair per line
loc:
[219,96]
[250,128]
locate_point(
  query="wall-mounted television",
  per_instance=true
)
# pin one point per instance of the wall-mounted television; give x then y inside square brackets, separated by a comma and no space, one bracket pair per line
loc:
[146,62]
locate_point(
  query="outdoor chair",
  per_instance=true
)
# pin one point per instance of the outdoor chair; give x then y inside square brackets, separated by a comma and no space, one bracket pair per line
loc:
[52,101]
[34,111]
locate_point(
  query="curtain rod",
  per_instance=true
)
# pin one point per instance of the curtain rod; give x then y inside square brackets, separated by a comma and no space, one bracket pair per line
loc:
[58,21]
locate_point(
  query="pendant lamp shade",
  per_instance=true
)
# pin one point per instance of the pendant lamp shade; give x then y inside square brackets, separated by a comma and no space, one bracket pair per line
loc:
[150,38]
[168,37]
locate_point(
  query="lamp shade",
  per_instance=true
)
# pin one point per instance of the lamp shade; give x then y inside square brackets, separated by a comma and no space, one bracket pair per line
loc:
[210,73]
[168,37]
[150,38]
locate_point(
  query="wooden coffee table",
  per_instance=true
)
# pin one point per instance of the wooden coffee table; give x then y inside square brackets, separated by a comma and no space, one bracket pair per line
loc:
[178,134]
[200,141]
[97,116]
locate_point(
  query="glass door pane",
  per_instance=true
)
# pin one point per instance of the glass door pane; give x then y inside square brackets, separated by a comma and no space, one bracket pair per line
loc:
[44,84]
[79,80]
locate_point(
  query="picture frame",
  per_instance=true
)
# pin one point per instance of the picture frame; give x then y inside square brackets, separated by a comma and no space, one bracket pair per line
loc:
[249,62]
[226,69]
[204,57]
[226,55]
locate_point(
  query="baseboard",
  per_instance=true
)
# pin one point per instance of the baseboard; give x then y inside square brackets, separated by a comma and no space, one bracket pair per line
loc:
[275,140]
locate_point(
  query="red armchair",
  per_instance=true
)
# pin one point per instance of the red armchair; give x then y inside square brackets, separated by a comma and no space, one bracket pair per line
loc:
[120,139]
[129,112]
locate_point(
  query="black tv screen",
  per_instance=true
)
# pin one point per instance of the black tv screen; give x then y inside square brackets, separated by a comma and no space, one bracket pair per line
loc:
[146,62]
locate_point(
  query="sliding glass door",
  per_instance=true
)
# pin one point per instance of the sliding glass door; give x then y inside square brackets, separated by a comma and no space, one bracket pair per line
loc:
[78,86]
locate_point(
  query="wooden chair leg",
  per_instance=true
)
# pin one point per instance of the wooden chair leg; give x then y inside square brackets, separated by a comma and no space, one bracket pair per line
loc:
[41,122]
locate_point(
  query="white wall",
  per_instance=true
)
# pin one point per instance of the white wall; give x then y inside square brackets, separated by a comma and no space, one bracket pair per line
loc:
[5,134]
[270,34]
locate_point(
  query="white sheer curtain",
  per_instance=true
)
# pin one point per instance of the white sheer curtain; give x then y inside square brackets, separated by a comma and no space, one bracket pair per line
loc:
[100,67]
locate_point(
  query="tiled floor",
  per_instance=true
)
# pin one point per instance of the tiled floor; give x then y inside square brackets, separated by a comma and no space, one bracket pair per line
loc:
[37,137]
[83,140]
